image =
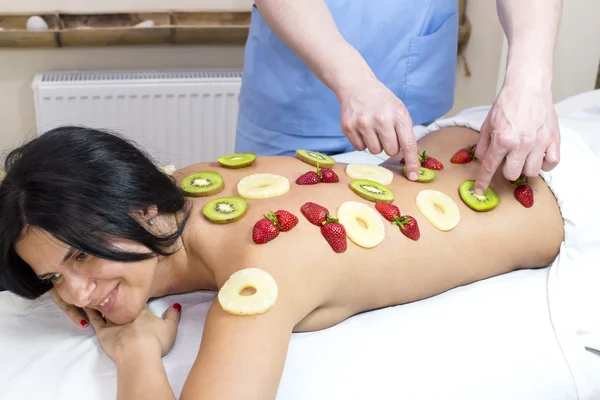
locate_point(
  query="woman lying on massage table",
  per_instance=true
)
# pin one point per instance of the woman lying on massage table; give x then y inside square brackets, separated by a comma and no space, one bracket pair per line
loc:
[87,213]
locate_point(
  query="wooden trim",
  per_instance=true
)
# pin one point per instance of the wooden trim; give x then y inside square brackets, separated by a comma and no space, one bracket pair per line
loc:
[119,29]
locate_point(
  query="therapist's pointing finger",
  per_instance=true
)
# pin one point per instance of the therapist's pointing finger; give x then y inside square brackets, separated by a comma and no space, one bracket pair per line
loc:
[408,143]
[489,165]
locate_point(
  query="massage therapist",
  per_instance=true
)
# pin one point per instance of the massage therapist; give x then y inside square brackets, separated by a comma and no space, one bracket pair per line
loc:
[338,75]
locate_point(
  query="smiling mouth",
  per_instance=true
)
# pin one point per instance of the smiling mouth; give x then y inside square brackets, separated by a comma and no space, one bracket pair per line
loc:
[106,300]
[109,302]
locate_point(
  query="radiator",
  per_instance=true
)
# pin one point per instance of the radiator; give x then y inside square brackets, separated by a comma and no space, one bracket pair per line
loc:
[179,117]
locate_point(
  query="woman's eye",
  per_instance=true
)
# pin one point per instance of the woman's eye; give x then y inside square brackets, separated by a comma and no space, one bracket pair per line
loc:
[81,256]
[55,277]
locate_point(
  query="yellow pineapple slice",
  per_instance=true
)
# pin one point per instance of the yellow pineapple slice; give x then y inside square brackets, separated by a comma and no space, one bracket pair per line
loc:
[439,209]
[234,300]
[363,225]
[263,186]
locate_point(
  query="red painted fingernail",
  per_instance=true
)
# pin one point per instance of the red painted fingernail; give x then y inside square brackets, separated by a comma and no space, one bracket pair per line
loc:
[83,323]
[177,306]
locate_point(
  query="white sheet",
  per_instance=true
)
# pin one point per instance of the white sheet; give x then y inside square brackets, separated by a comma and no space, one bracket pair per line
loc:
[489,340]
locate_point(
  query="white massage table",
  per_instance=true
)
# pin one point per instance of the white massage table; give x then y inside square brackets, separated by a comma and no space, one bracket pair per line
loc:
[490,340]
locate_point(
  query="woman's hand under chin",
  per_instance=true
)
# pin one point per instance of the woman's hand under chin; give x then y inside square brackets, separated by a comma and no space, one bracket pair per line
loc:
[147,333]
[73,312]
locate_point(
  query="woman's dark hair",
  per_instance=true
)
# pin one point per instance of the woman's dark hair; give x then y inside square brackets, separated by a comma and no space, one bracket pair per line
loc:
[83,186]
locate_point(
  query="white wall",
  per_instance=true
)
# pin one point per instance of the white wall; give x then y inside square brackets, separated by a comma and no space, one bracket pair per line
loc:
[17,68]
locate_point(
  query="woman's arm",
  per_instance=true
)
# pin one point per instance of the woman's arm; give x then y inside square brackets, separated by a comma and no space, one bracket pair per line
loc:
[240,357]
[137,349]
[141,374]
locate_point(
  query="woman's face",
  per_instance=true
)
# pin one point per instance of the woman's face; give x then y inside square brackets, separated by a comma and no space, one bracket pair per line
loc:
[119,290]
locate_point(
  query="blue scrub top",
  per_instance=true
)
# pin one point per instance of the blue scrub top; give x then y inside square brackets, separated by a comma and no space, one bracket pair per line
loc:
[410,45]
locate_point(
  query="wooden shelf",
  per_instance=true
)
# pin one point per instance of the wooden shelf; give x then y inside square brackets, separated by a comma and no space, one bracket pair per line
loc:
[93,30]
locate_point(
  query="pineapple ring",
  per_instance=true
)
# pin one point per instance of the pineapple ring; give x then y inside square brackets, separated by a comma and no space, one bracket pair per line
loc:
[439,209]
[263,186]
[363,225]
[234,302]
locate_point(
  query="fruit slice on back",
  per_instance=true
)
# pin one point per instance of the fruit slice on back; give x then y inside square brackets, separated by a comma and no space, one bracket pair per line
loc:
[371,190]
[203,183]
[439,209]
[363,224]
[425,174]
[167,169]
[486,202]
[237,160]
[263,186]
[262,295]
[225,210]
[372,172]
[312,157]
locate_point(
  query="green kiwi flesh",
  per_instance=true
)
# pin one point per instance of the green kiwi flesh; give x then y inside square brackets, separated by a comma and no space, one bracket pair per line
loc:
[314,157]
[237,160]
[371,190]
[486,202]
[203,183]
[225,210]
[425,174]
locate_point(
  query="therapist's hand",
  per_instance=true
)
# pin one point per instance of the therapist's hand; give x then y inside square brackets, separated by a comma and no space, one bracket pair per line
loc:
[521,129]
[147,333]
[373,117]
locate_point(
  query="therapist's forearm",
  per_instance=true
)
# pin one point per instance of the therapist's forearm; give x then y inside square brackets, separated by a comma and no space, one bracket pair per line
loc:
[141,375]
[531,28]
[308,28]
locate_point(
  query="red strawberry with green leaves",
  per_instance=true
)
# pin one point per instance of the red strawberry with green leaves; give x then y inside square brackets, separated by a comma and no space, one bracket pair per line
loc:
[328,175]
[265,230]
[309,178]
[409,227]
[523,192]
[389,211]
[335,234]
[286,220]
[314,213]
[430,162]
[464,156]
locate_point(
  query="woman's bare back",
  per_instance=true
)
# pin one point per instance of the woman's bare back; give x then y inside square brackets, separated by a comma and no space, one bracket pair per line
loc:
[329,287]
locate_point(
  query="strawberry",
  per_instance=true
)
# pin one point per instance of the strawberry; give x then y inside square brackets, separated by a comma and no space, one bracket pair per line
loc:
[430,162]
[523,192]
[409,227]
[286,220]
[309,178]
[335,234]
[387,210]
[264,231]
[314,213]
[402,161]
[328,175]
[464,156]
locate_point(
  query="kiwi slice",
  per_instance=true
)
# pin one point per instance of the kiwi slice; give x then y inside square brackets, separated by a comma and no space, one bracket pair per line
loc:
[314,157]
[486,202]
[203,183]
[237,160]
[425,174]
[225,210]
[371,190]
